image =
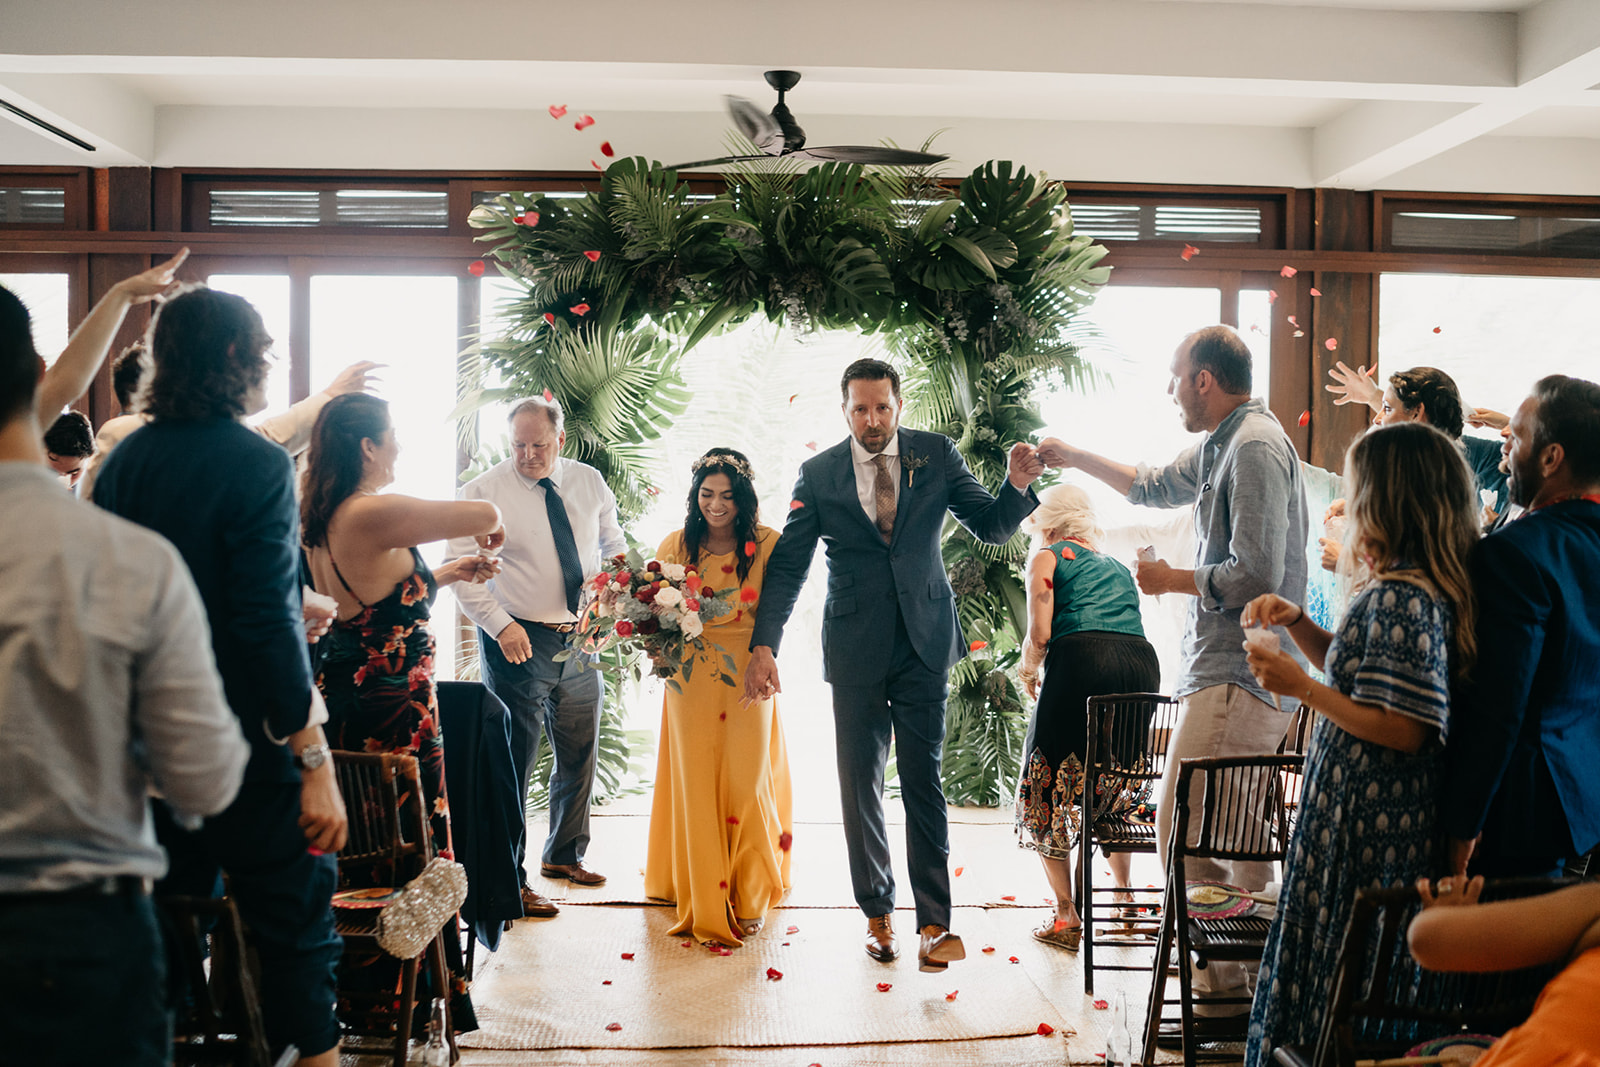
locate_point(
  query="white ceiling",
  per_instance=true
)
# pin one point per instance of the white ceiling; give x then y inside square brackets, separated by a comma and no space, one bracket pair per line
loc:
[1475,95]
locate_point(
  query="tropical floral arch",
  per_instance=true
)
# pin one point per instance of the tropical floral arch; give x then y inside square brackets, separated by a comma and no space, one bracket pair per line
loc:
[977,288]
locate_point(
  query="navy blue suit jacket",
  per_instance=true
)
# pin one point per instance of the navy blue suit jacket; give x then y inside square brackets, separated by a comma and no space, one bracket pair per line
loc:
[868,580]
[1524,737]
[224,495]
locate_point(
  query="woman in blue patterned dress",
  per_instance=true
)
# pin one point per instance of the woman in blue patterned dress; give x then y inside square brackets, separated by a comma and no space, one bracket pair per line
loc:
[1367,815]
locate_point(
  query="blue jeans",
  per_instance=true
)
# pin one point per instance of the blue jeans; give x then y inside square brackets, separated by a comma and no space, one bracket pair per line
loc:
[83,981]
[909,705]
[564,700]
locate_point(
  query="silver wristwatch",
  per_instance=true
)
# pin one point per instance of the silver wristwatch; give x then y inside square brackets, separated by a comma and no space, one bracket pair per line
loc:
[312,756]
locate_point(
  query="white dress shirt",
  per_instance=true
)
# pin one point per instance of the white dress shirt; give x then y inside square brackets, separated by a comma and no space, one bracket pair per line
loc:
[529,585]
[866,467]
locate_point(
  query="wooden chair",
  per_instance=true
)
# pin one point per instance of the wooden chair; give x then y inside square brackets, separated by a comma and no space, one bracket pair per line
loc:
[1125,755]
[1379,988]
[389,845]
[217,1013]
[1240,816]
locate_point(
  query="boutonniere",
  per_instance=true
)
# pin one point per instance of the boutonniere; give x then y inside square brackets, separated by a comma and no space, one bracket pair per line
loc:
[912,464]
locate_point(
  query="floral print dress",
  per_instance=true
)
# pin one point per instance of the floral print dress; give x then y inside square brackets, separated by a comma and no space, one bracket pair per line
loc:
[1368,812]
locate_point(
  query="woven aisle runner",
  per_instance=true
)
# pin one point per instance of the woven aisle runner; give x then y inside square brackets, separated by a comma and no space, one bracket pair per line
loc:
[547,986]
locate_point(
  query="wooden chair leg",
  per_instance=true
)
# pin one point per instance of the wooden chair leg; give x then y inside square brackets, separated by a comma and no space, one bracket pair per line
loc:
[408,1006]
[1158,981]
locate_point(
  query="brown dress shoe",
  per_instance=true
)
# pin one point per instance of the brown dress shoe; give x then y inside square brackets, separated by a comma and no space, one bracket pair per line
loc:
[939,949]
[881,944]
[538,905]
[576,873]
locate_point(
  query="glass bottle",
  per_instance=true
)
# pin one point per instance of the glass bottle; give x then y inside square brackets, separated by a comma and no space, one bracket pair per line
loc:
[436,1053]
[1119,1038]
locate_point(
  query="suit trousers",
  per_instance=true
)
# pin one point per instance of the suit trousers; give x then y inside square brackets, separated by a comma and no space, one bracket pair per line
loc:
[908,705]
[562,699]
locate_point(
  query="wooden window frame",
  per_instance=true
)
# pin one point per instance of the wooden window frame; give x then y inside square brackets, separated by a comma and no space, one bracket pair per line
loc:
[72,181]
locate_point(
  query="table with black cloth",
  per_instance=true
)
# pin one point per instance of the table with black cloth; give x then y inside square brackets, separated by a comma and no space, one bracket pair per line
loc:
[486,814]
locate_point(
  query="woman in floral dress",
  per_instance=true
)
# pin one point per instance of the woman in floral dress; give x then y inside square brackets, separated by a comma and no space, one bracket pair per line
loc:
[1368,812]
[377,669]
[1084,630]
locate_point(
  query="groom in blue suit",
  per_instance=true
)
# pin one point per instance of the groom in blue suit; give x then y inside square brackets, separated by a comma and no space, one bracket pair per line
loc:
[877,501]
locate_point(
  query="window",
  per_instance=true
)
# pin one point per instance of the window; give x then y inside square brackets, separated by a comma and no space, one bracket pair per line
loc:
[45,297]
[1511,228]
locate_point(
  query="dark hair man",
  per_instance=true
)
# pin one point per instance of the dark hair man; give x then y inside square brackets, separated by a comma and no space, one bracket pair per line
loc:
[82,970]
[68,444]
[1521,794]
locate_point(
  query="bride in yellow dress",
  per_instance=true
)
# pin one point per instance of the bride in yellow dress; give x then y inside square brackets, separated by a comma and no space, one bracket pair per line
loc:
[721,820]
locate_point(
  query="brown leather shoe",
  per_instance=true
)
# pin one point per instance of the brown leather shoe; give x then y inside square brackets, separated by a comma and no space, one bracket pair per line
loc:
[939,949]
[538,905]
[576,873]
[881,944]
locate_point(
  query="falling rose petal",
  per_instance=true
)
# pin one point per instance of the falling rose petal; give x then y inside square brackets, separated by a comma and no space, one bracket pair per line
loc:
[786,839]
[606,982]
[1288,272]
[1188,253]
[1299,333]
[627,955]
[1048,584]
[722,885]
[721,951]
[727,568]
[1315,291]
[1293,322]
[750,550]
[579,309]
[792,930]
[606,149]
[596,165]
[548,395]
[1045,1030]
[952,994]
[475,268]
[812,445]
[1438,329]
[584,122]
[550,318]
[977,646]
[1067,553]
[529,218]
[773,974]
[786,944]
[592,256]
[795,505]
[1014,959]
[959,870]
[1305,418]
[723,716]
[1008,897]
[733,820]
[748,596]
[988,948]
[651,490]
[613,1027]
[884,987]
[1272,297]
[1257,329]
[1331,344]
[1101,1005]
[558,111]
[792,397]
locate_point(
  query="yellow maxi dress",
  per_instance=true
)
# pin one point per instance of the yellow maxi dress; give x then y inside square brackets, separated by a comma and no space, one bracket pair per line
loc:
[722,813]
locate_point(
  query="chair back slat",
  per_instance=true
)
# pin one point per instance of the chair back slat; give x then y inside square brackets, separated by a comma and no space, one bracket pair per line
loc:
[384,805]
[1242,806]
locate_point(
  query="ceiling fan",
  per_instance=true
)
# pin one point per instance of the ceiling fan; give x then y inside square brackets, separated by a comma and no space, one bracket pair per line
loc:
[779,136]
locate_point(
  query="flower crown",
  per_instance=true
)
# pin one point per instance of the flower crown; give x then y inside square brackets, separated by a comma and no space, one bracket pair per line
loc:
[723,459]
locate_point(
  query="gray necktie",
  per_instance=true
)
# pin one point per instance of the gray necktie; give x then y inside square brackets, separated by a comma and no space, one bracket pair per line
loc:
[883,496]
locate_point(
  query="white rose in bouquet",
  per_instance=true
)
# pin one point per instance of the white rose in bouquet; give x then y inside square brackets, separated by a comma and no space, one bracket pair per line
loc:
[668,598]
[692,626]
[673,572]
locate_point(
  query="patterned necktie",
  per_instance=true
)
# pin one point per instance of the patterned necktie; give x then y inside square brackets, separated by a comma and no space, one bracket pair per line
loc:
[566,544]
[883,496]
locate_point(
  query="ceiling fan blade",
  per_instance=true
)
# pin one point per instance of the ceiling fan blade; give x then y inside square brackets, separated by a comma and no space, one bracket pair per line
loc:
[697,164]
[760,128]
[868,154]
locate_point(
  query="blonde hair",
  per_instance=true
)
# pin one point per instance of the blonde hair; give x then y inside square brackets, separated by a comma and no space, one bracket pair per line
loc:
[1066,511]
[1414,511]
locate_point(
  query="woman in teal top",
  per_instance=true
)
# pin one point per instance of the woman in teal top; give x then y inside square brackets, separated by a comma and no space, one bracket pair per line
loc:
[1084,630]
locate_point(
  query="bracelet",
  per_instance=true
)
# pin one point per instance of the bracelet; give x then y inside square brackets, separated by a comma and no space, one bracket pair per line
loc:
[1297,618]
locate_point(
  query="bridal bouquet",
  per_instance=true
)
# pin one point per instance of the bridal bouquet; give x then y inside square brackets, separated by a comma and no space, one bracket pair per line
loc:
[661,610]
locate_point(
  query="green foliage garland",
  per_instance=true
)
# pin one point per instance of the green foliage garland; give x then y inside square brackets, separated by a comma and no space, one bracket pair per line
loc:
[977,291]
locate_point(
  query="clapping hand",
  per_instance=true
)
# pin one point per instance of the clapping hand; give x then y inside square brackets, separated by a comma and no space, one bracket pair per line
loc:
[1354,386]
[1023,465]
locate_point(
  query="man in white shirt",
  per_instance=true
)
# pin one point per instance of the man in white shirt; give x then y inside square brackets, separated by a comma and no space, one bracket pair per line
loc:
[561,523]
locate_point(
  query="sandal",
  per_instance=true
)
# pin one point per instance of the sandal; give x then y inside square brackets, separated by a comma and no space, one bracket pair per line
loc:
[1062,937]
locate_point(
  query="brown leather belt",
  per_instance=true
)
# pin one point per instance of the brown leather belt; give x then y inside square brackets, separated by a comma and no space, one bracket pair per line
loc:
[557,627]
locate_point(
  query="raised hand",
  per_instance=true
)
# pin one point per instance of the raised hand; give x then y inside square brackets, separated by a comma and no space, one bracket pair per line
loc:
[1054,452]
[353,379]
[1354,386]
[153,283]
[1023,465]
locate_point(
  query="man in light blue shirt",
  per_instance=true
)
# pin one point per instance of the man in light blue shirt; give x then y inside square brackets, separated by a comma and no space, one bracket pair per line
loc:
[1243,480]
